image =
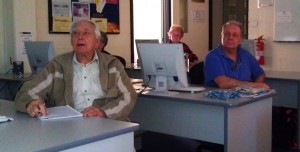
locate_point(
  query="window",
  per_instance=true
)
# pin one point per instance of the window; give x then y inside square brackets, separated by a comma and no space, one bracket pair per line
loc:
[149,20]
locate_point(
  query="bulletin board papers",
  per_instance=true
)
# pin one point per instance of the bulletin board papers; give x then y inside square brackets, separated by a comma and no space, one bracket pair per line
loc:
[286,21]
[63,12]
[284,17]
[25,36]
[264,3]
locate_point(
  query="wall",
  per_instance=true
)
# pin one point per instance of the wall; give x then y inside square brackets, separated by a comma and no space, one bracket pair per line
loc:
[2,47]
[279,56]
[7,35]
[24,21]
[197,35]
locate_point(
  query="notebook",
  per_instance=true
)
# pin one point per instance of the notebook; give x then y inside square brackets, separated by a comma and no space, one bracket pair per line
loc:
[61,112]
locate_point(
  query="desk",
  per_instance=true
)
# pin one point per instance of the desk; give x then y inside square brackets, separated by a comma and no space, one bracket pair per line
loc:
[80,134]
[9,85]
[241,125]
[287,85]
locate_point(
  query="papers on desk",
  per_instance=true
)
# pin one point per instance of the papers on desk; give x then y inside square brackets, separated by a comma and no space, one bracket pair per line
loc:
[238,92]
[5,118]
[266,92]
[61,112]
[246,91]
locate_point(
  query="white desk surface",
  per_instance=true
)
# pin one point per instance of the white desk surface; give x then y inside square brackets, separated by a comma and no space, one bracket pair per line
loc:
[31,134]
[202,99]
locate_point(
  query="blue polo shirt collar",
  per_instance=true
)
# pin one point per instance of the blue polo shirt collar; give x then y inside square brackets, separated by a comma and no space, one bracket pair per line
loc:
[220,51]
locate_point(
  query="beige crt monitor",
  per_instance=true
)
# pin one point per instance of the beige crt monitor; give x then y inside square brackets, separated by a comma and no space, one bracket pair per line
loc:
[163,67]
[139,41]
[39,53]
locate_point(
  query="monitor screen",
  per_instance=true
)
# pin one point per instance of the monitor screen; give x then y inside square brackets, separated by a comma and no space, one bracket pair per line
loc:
[249,45]
[39,53]
[163,66]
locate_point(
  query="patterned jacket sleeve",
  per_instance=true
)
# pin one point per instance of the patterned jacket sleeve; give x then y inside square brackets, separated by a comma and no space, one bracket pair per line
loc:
[120,96]
[39,86]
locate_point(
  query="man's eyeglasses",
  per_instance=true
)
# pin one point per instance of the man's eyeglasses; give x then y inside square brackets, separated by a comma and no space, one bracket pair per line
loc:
[234,35]
[85,33]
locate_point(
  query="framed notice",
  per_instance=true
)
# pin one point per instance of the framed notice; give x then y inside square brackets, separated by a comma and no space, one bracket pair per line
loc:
[105,13]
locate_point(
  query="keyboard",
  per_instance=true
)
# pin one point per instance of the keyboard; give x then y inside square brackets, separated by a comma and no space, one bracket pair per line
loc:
[191,89]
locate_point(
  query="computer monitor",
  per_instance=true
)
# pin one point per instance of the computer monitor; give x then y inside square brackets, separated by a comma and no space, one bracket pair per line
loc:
[39,53]
[249,45]
[138,41]
[163,66]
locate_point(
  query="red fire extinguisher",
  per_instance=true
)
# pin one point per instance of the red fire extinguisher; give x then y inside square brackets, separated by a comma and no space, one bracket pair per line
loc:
[260,50]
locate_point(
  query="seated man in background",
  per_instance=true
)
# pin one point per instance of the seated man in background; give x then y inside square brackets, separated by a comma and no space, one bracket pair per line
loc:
[103,43]
[229,66]
[93,83]
[175,35]
[101,47]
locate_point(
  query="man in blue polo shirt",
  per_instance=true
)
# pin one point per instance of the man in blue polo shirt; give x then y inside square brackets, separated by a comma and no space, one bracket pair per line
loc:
[229,66]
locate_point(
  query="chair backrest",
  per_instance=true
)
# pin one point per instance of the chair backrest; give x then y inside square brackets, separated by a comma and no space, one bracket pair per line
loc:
[196,73]
[123,61]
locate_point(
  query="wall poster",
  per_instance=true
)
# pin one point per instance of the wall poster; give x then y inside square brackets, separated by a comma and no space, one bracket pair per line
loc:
[105,13]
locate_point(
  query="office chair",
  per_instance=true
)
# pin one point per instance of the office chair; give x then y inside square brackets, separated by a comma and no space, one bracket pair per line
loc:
[123,61]
[196,73]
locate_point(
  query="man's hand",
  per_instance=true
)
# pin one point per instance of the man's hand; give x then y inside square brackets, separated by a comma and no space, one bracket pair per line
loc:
[93,112]
[225,82]
[36,108]
[261,85]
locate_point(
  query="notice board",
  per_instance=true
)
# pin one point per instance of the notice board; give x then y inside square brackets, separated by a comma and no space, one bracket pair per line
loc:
[105,13]
[286,20]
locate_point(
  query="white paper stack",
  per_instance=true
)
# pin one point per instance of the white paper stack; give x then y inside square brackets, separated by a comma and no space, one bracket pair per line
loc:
[61,112]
